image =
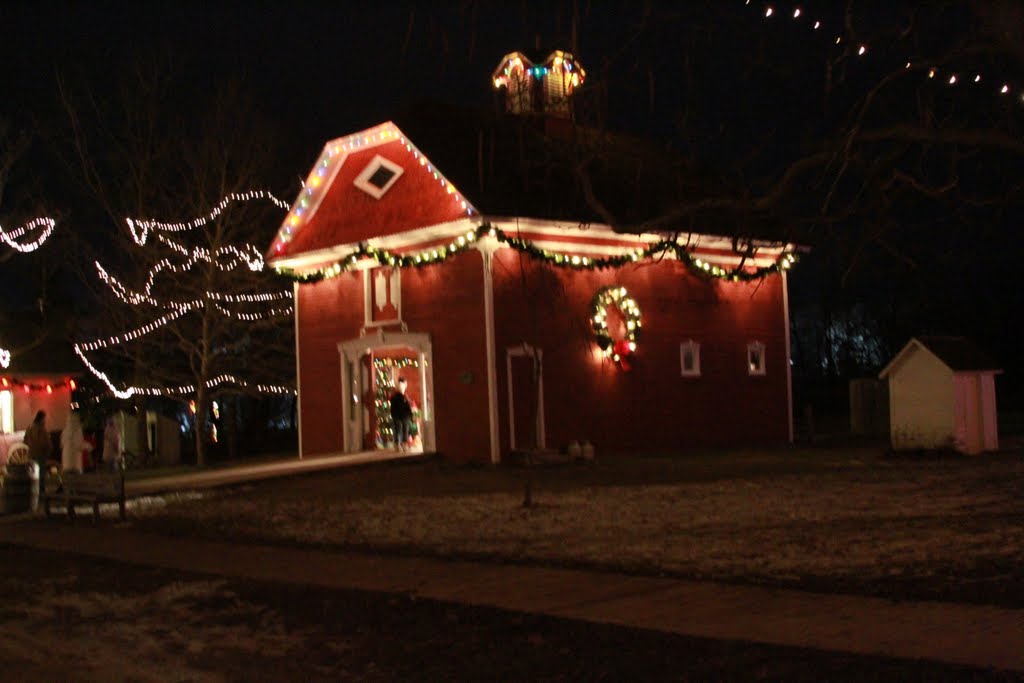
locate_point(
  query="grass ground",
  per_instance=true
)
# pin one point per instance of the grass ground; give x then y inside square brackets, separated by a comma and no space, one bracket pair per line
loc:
[72,618]
[834,520]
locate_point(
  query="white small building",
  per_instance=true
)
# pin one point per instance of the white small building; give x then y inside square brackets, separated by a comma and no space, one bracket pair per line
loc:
[942,394]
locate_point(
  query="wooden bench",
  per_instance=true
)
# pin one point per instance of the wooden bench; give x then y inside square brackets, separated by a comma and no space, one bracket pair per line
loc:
[93,488]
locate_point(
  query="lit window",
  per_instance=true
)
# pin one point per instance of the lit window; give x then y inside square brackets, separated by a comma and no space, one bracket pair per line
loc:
[6,412]
[378,176]
[689,358]
[755,358]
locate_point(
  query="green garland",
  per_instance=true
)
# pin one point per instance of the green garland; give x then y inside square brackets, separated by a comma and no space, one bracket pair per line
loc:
[429,257]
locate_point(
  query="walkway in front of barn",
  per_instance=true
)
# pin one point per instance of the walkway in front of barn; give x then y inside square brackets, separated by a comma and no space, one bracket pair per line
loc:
[245,472]
[973,635]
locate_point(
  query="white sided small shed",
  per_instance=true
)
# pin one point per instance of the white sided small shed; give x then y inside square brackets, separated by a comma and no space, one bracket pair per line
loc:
[942,394]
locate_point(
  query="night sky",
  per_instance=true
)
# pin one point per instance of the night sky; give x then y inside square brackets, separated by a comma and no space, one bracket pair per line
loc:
[711,80]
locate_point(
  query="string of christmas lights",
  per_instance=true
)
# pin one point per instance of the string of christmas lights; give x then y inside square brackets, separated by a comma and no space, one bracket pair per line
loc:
[5,358]
[130,296]
[140,228]
[183,390]
[516,65]
[431,256]
[253,317]
[382,402]
[224,258]
[137,332]
[12,237]
[12,383]
[331,159]
[950,77]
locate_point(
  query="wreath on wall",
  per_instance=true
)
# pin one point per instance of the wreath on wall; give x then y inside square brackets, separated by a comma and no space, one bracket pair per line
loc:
[619,350]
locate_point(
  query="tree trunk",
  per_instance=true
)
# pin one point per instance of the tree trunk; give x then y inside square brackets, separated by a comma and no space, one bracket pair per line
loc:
[201,423]
[230,416]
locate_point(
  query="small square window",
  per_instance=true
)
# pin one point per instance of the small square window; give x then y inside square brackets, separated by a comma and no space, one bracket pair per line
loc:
[755,358]
[378,176]
[689,358]
[381,177]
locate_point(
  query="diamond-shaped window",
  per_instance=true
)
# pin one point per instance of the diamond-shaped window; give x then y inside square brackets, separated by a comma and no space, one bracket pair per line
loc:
[378,177]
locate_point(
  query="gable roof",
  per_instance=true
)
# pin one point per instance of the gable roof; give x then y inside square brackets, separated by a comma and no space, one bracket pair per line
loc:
[959,354]
[518,171]
[340,205]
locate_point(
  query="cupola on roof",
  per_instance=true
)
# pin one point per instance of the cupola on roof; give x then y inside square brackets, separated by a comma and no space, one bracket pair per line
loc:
[544,88]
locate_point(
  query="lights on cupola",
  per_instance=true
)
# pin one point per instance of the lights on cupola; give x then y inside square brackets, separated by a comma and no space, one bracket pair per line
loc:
[539,88]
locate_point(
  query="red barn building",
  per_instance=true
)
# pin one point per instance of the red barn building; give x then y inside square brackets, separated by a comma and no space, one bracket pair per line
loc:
[518,318]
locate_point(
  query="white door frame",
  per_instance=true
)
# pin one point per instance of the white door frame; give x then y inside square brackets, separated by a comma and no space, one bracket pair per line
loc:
[525,350]
[352,350]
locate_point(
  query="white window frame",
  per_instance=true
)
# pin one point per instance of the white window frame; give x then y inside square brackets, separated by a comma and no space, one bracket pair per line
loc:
[396,297]
[694,348]
[757,370]
[362,181]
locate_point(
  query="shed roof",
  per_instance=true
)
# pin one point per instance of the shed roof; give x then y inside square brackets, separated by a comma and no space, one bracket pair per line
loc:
[959,354]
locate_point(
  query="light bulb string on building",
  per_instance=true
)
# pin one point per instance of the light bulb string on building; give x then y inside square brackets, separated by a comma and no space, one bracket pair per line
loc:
[946,75]
[141,228]
[317,183]
[44,225]
[461,243]
[8,383]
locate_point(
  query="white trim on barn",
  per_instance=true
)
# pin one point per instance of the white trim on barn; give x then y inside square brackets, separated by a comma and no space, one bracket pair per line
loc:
[298,366]
[789,353]
[364,181]
[492,360]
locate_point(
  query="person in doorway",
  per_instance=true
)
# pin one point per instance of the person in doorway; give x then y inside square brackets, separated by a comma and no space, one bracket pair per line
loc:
[38,441]
[72,444]
[112,446]
[401,415]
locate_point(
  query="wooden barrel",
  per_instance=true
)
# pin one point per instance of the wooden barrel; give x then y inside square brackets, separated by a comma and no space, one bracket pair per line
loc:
[20,488]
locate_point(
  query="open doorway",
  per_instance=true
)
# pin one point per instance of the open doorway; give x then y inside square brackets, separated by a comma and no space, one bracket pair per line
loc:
[371,368]
[390,367]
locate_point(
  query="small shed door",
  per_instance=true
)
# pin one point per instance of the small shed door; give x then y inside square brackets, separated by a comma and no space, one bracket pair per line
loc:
[970,422]
[525,368]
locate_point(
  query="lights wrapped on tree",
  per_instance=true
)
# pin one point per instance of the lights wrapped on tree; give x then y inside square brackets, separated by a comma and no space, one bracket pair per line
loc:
[45,225]
[140,228]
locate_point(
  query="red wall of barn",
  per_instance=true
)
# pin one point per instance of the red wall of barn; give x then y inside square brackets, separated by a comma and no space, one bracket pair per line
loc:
[328,312]
[651,407]
[445,301]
